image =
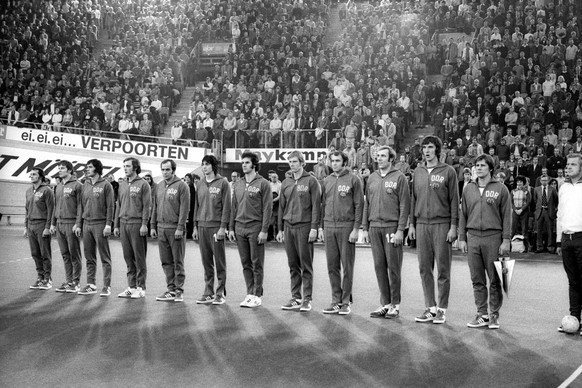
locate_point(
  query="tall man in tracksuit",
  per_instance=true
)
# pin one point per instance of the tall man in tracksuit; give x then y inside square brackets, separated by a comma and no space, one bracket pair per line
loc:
[299,218]
[252,205]
[131,224]
[67,224]
[485,233]
[98,211]
[37,223]
[434,212]
[211,217]
[386,210]
[342,208]
[170,207]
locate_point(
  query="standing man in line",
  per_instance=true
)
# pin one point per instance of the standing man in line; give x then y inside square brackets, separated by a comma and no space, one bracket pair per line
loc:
[171,203]
[386,210]
[342,208]
[569,231]
[252,204]
[211,215]
[131,225]
[37,223]
[485,234]
[98,210]
[434,212]
[546,203]
[67,224]
[299,218]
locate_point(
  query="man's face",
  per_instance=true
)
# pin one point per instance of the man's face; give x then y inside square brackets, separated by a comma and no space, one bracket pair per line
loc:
[573,167]
[63,172]
[383,159]
[482,169]
[519,184]
[544,180]
[34,177]
[128,169]
[294,164]
[90,171]
[429,151]
[336,163]
[247,166]
[234,177]
[206,168]
[167,171]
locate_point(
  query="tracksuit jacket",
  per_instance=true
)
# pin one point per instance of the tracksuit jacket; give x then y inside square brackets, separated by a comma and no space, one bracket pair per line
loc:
[481,213]
[252,204]
[216,197]
[387,201]
[134,202]
[303,208]
[68,202]
[343,200]
[98,202]
[437,201]
[40,205]
[171,204]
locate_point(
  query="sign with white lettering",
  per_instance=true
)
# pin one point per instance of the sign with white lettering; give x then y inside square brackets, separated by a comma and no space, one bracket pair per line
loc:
[275,155]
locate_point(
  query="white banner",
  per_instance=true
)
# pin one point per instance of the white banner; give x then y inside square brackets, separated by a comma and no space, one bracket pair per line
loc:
[275,155]
[16,163]
[101,144]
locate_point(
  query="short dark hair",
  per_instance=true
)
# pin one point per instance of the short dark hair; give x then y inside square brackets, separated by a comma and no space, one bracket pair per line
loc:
[211,160]
[520,178]
[254,158]
[135,163]
[40,172]
[343,155]
[172,164]
[68,165]
[489,160]
[97,164]
[438,143]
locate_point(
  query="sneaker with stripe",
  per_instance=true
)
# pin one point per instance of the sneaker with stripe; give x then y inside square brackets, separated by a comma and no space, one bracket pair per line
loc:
[426,316]
[494,321]
[167,296]
[293,304]
[345,309]
[392,313]
[126,293]
[440,317]
[37,284]
[479,321]
[89,289]
[46,284]
[333,308]
[380,312]
[205,299]
[305,306]
[105,291]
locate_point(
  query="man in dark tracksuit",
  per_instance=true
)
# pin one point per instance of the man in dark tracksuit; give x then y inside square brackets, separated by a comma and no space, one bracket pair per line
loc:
[37,222]
[98,210]
[252,205]
[342,208]
[67,224]
[386,209]
[131,224]
[170,207]
[485,233]
[434,211]
[211,217]
[299,214]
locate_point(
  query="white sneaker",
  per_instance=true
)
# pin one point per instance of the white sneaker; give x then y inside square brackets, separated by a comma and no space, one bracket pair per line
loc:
[248,301]
[127,293]
[138,293]
[256,302]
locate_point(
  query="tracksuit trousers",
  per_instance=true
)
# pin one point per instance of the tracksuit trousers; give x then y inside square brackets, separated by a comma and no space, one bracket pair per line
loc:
[70,250]
[340,253]
[572,258]
[172,253]
[300,258]
[212,253]
[387,264]
[134,249]
[93,241]
[252,257]
[482,252]
[432,247]
[40,249]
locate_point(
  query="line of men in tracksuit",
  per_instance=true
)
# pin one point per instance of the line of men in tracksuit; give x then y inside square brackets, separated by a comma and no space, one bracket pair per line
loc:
[333,212]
